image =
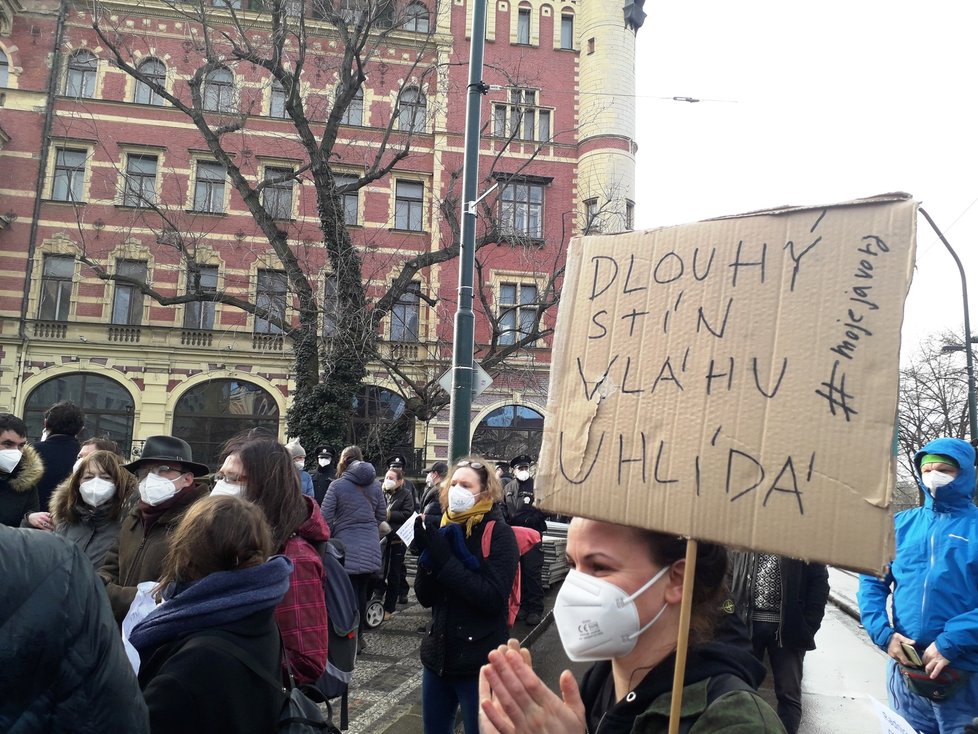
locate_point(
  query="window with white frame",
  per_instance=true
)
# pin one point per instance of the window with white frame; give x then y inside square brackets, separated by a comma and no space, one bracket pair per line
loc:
[277,196]
[412,110]
[271,296]
[521,210]
[276,107]
[69,174]
[219,91]
[155,72]
[350,201]
[353,114]
[517,312]
[140,180]
[127,301]
[406,314]
[408,205]
[592,222]
[209,183]
[523,26]
[416,18]
[521,119]
[82,69]
[56,276]
[200,314]
[567,31]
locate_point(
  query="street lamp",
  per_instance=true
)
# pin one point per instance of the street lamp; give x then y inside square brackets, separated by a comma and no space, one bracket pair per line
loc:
[969,357]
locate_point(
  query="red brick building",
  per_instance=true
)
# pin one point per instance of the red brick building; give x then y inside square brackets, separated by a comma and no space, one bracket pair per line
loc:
[100,173]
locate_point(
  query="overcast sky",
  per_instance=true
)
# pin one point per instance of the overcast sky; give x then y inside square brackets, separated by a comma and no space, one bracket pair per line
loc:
[817,104]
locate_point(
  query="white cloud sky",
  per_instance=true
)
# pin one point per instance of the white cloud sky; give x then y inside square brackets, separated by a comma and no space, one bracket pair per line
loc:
[817,103]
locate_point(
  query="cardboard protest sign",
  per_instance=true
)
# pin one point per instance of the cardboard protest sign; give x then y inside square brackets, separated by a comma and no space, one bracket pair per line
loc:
[735,380]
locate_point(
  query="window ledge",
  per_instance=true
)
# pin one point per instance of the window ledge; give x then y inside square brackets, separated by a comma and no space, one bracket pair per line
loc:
[69,202]
[204,211]
[133,208]
[407,231]
[518,239]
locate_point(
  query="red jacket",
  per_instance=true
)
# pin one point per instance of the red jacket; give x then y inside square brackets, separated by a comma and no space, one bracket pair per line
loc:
[301,615]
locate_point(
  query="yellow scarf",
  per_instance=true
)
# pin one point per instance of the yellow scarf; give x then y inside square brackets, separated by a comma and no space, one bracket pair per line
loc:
[470,518]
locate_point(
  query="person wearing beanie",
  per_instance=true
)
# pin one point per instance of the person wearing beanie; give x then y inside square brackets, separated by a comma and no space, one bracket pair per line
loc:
[298,455]
[932,639]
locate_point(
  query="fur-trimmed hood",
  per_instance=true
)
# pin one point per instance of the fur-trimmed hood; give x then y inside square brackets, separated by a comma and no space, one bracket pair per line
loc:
[60,503]
[27,473]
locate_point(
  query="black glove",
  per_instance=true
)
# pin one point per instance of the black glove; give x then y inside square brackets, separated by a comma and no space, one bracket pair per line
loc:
[420,542]
[437,546]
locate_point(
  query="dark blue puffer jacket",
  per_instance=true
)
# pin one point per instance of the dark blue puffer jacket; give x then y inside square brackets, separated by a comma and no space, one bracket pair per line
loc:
[353,508]
[933,576]
[62,665]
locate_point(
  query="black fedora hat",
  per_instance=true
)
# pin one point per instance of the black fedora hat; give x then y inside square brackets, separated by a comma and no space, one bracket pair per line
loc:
[168,448]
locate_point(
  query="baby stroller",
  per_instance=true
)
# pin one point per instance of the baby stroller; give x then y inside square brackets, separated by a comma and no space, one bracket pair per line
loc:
[374,614]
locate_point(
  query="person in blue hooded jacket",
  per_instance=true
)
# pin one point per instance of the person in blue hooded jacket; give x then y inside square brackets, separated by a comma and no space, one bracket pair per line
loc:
[933,580]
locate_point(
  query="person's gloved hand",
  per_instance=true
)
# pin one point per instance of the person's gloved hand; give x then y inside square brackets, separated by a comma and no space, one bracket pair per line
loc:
[438,547]
[420,542]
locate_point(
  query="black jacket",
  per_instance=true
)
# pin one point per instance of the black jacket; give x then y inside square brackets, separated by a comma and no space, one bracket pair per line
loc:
[400,506]
[468,608]
[520,511]
[321,479]
[804,592]
[58,454]
[18,489]
[198,688]
[62,665]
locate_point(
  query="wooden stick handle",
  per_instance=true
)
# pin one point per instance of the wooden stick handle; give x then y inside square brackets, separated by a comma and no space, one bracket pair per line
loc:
[682,645]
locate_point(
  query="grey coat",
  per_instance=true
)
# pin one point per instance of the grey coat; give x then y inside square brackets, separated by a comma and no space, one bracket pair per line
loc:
[353,508]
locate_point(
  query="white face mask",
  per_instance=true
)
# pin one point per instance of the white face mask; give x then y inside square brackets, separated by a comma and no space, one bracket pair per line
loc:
[596,620]
[9,459]
[96,491]
[324,462]
[223,486]
[389,484]
[934,480]
[429,480]
[460,499]
[523,475]
[299,463]
[155,489]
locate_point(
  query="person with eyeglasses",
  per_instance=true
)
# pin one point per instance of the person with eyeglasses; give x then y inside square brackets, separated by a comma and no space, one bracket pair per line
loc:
[167,488]
[466,580]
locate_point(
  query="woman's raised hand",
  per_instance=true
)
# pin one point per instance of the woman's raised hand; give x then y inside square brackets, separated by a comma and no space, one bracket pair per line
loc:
[513,699]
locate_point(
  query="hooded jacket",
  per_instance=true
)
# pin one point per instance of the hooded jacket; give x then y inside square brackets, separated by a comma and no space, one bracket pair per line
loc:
[932,577]
[647,711]
[18,489]
[62,666]
[354,507]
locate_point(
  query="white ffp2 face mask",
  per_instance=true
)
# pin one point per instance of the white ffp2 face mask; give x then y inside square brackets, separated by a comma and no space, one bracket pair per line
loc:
[96,491]
[934,480]
[460,499]
[155,489]
[597,620]
[324,462]
[223,486]
[522,475]
[9,459]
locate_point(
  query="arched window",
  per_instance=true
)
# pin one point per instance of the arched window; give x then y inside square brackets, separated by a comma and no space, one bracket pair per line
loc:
[4,69]
[82,68]
[155,71]
[382,426]
[416,18]
[219,91]
[412,109]
[210,413]
[108,406]
[508,432]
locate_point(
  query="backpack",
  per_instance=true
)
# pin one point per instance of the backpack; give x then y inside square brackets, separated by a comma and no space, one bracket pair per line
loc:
[343,614]
[526,538]
[718,687]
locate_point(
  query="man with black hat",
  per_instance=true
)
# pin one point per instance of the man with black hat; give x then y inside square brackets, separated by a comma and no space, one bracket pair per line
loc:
[325,471]
[518,498]
[166,472]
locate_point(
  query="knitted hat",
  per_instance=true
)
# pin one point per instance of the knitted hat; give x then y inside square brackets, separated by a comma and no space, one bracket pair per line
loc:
[295,449]
[938,459]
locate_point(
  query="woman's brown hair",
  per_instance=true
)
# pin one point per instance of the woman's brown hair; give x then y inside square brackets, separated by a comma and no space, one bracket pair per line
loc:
[487,478]
[273,484]
[347,457]
[110,464]
[220,533]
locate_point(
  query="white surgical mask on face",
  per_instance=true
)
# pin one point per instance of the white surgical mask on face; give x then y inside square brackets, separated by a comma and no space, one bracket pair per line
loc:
[460,499]
[324,462]
[299,463]
[429,480]
[597,620]
[9,459]
[389,484]
[155,489]
[223,486]
[523,475]
[96,491]
[934,480]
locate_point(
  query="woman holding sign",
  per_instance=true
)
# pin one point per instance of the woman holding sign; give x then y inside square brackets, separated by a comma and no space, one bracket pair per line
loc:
[619,607]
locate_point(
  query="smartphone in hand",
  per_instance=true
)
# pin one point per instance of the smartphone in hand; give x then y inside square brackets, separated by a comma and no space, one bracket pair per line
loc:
[912,655]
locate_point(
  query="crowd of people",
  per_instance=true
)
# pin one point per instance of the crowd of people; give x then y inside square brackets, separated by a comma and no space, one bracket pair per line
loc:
[234,564]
